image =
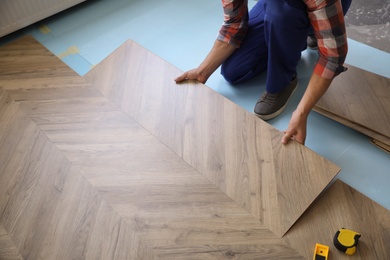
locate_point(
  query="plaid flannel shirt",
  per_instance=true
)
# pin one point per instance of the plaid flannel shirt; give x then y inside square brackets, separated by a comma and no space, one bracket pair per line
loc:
[326,17]
[235,24]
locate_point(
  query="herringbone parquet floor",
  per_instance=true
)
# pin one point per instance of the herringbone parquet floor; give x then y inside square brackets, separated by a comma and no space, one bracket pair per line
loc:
[125,164]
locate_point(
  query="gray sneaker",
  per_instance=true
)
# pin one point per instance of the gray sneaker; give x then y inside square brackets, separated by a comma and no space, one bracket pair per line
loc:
[270,105]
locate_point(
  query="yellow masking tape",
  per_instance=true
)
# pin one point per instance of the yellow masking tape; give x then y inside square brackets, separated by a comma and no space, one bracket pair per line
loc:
[44,29]
[69,51]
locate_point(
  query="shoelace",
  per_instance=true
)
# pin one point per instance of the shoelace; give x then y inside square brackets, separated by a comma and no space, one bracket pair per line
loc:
[269,98]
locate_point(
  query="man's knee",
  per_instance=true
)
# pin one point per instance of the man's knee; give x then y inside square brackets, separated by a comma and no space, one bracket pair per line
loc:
[229,73]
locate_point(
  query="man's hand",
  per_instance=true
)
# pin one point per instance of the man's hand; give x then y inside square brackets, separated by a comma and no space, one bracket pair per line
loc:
[298,123]
[296,128]
[192,74]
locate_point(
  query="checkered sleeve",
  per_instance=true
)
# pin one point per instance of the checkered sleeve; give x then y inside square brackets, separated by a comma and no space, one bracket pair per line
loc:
[327,19]
[235,23]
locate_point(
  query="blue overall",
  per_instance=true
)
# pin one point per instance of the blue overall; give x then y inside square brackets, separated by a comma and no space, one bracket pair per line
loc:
[277,34]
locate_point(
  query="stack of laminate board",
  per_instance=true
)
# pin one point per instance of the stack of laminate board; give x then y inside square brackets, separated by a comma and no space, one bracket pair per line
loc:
[125,164]
[361,100]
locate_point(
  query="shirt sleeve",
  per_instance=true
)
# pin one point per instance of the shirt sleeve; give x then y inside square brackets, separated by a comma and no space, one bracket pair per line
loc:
[235,23]
[327,19]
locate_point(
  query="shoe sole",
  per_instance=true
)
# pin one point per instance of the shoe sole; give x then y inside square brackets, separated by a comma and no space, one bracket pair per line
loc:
[278,112]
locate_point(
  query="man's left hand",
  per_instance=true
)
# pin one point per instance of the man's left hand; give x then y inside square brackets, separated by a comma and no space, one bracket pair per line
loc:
[296,128]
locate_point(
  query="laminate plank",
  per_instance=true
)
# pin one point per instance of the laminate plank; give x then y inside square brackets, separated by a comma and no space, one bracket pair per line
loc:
[39,64]
[381,145]
[360,100]
[341,206]
[236,151]
[360,128]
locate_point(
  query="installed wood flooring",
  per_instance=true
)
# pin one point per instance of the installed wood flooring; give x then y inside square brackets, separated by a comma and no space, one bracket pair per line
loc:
[361,100]
[125,164]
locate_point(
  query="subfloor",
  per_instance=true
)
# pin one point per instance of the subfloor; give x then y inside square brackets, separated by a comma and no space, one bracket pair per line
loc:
[182,33]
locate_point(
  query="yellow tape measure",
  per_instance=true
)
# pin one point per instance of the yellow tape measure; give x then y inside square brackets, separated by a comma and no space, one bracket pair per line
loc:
[346,240]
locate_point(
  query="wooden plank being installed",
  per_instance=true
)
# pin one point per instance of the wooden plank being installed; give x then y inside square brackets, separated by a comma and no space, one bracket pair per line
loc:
[125,164]
[361,100]
[240,154]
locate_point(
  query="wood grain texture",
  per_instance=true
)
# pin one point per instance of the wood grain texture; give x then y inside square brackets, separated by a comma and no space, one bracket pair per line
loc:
[360,100]
[49,209]
[8,250]
[341,206]
[232,148]
[83,178]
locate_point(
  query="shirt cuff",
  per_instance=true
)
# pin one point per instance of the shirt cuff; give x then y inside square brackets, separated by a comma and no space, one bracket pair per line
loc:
[224,37]
[328,70]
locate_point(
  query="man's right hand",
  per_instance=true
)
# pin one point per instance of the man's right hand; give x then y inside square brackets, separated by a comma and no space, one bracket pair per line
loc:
[192,74]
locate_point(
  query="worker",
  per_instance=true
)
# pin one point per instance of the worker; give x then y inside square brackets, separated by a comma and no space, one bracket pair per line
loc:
[271,38]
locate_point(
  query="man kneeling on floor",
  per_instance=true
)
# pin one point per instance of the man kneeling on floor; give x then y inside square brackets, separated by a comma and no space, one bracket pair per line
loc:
[271,37]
